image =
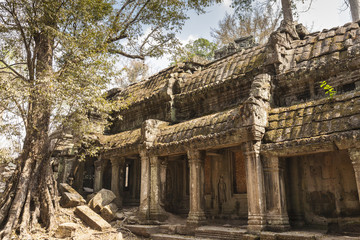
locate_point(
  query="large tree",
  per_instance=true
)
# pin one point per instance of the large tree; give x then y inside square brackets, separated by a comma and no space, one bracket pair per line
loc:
[262,19]
[201,49]
[133,71]
[355,9]
[56,58]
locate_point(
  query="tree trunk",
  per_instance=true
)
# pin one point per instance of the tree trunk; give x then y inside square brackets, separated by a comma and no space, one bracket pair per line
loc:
[355,10]
[287,11]
[30,196]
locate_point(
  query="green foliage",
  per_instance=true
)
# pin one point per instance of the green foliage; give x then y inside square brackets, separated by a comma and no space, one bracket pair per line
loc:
[62,55]
[329,90]
[133,71]
[259,21]
[201,48]
[5,156]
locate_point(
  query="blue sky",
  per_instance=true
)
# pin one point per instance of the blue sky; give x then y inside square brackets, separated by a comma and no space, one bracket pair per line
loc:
[323,14]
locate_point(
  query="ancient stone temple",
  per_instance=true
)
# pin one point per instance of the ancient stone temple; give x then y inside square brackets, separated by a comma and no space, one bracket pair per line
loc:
[248,137]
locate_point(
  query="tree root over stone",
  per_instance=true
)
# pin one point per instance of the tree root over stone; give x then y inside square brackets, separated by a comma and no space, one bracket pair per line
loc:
[29,199]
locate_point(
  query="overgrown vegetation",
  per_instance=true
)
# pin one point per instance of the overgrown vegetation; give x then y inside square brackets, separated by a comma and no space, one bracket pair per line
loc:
[259,21]
[57,59]
[329,90]
[201,48]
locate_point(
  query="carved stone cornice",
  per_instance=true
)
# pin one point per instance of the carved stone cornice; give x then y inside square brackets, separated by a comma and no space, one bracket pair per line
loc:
[195,156]
[115,162]
[272,163]
[98,164]
[354,154]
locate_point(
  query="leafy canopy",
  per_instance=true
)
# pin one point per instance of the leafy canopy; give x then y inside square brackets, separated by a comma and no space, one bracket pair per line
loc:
[67,50]
[260,21]
[200,48]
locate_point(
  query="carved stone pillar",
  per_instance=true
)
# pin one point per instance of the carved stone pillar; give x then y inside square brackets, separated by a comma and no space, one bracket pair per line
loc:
[156,211]
[121,180]
[117,167]
[163,169]
[197,188]
[255,187]
[98,175]
[144,208]
[354,154]
[276,210]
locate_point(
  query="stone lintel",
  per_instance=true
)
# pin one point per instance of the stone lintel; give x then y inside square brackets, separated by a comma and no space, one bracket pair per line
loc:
[316,144]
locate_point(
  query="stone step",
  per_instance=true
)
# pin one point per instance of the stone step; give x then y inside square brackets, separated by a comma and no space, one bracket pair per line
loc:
[289,235]
[302,235]
[217,232]
[143,230]
[162,236]
[170,228]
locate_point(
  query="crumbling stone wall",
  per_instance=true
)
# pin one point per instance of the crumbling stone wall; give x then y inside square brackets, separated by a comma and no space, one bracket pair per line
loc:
[325,188]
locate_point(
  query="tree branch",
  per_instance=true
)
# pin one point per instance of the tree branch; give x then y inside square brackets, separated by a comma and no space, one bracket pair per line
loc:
[14,71]
[115,51]
[128,22]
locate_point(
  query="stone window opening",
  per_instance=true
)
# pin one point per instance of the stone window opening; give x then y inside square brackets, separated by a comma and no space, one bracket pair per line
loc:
[126,179]
[238,173]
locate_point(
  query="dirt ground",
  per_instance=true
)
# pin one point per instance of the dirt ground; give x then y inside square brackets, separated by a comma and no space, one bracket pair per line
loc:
[82,232]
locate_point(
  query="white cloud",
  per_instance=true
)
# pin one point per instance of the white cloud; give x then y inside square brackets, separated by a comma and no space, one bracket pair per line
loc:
[188,39]
[226,3]
[324,14]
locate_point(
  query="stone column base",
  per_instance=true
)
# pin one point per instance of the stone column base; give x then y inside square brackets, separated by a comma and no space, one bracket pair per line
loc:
[197,218]
[256,224]
[278,223]
[297,220]
[143,212]
[158,214]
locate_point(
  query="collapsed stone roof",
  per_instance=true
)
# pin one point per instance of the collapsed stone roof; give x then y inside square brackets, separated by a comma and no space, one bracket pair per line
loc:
[200,102]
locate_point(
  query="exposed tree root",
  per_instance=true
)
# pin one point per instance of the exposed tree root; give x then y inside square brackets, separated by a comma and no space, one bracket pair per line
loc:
[29,199]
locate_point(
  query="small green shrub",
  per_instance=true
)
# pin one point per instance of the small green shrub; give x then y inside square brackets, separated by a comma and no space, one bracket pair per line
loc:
[329,90]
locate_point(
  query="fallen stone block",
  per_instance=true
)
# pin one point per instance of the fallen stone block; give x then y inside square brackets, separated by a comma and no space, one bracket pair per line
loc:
[119,216]
[101,199]
[108,212]
[69,200]
[143,230]
[66,230]
[64,187]
[89,197]
[119,236]
[91,218]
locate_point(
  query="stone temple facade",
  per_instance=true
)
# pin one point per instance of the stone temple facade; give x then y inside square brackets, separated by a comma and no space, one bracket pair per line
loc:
[250,137]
